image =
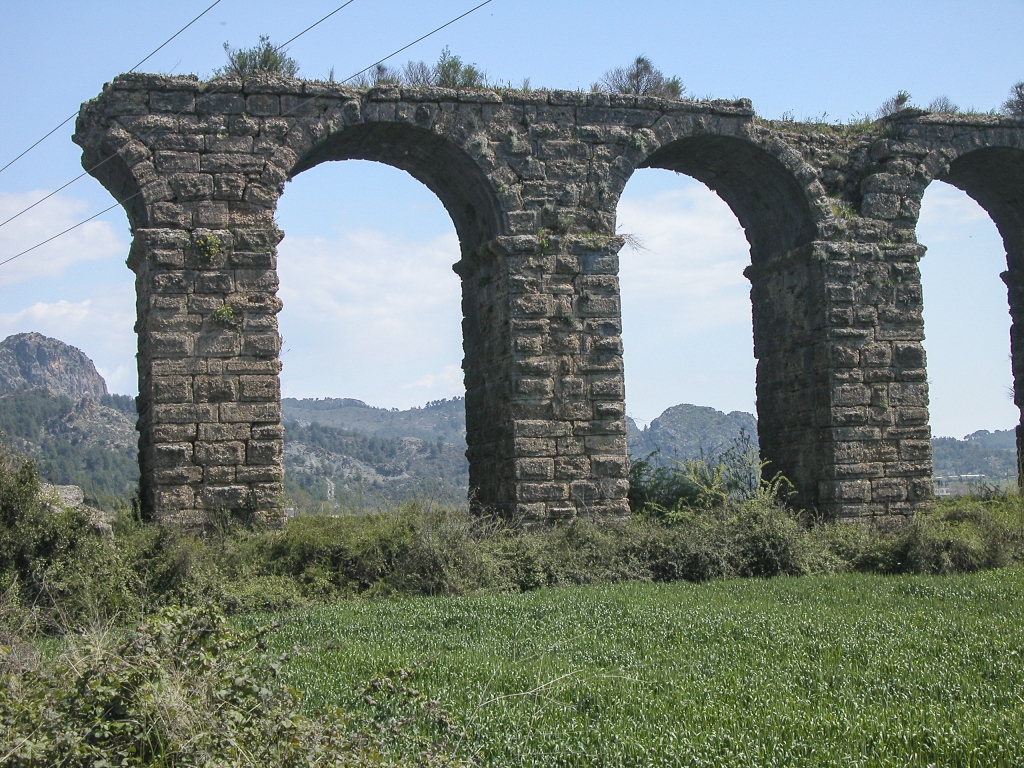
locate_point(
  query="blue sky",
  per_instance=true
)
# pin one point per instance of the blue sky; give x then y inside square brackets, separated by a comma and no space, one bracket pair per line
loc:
[371,305]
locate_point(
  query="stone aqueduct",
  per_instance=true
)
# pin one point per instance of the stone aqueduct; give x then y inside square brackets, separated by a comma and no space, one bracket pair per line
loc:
[531,181]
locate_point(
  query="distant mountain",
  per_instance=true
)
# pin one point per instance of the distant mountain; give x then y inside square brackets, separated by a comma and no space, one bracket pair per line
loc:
[55,408]
[31,360]
[689,432]
[992,455]
[443,420]
[328,467]
[89,443]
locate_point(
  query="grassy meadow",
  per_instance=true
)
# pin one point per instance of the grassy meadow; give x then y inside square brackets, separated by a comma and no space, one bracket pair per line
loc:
[844,670]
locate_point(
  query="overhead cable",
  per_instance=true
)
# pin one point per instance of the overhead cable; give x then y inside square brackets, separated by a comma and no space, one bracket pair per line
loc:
[71,117]
[125,200]
[176,114]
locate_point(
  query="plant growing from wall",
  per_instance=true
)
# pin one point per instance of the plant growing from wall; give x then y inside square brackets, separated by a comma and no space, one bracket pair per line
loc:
[1015,104]
[208,247]
[262,58]
[641,78]
[893,104]
[224,315]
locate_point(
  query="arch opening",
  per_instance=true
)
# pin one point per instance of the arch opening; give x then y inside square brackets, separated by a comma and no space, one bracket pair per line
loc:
[993,177]
[763,194]
[467,195]
[683,289]
[776,216]
[372,333]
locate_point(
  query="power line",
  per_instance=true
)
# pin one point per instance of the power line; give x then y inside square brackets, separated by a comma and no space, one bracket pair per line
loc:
[71,117]
[69,229]
[177,114]
[325,18]
[121,202]
[417,40]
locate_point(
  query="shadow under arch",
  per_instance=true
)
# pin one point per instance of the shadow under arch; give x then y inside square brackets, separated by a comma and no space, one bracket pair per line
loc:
[994,177]
[443,167]
[468,196]
[764,194]
[779,222]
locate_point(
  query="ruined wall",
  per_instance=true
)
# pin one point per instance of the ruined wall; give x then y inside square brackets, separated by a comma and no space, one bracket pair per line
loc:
[531,181]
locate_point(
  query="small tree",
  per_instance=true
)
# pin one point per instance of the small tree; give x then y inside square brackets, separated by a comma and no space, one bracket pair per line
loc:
[641,78]
[1015,104]
[893,104]
[943,104]
[450,72]
[263,58]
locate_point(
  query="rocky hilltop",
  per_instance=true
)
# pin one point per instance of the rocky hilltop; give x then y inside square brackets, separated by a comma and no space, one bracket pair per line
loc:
[689,432]
[33,361]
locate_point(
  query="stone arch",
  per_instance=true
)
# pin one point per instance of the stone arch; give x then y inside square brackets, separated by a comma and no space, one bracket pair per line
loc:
[761,183]
[762,191]
[433,159]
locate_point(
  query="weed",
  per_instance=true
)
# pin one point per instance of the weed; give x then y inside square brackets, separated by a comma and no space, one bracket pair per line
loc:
[224,315]
[842,209]
[208,247]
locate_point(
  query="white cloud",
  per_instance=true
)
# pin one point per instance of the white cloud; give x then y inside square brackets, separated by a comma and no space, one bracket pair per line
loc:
[685,303]
[692,269]
[92,241]
[448,380]
[102,327]
[371,316]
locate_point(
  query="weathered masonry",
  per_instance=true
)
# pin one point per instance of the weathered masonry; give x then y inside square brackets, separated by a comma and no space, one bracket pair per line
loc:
[531,181]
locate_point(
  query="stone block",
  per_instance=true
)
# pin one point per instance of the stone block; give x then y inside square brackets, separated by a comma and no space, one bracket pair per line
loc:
[268,432]
[261,344]
[612,387]
[178,475]
[222,432]
[166,455]
[220,104]
[259,452]
[172,389]
[219,475]
[532,446]
[168,499]
[226,453]
[915,450]
[215,389]
[534,469]
[533,387]
[610,466]
[542,492]
[261,474]
[224,497]
[172,413]
[173,433]
[539,428]
[260,388]
[572,467]
[250,412]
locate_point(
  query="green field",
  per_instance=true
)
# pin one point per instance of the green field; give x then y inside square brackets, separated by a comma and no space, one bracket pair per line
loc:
[853,670]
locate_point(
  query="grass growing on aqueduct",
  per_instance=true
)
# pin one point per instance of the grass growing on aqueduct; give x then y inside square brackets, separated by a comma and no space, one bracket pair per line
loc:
[850,670]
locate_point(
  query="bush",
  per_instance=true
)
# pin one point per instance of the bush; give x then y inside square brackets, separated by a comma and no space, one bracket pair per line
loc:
[1015,104]
[53,560]
[262,58]
[184,689]
[641,78]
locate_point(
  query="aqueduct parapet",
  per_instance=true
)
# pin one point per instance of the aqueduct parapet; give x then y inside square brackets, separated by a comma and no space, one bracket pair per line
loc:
[531,181]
